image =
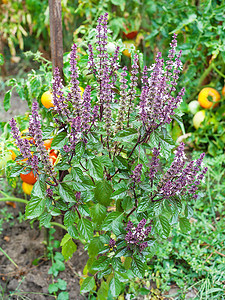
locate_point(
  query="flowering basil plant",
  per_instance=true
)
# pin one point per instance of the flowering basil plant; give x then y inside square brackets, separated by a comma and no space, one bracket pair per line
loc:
[108,183]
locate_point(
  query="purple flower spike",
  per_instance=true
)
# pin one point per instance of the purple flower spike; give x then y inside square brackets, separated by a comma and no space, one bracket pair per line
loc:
[137,173]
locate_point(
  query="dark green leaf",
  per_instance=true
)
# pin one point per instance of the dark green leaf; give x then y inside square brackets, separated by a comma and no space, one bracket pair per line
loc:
[113,222]
[95,168]
[185,226]
[101,264]
[103,291]
[126,135]
[138,267]
[59,140]
[66,193]
[103,192]
[69,218]
[6,101]
[162,226]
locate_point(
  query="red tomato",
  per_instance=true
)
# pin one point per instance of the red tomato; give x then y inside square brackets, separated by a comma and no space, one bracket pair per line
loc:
[130,35]
[29,178]
[52,157]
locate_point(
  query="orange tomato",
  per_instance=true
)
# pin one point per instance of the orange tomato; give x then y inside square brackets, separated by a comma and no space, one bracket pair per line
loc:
[52,157]
[27,188]
[29,178]
[223,91]
[47,99]
[13,154]
[47,144]
[128,45]
[205,101]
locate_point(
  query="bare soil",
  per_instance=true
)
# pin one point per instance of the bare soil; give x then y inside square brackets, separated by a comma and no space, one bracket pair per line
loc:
[25,244]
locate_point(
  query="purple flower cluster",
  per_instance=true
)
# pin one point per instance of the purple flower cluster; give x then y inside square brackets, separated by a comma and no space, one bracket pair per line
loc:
[112,243]
[180,179]
[136,176]
[123,101]
[36,132]
[158,102]
[136,236]
[154,164]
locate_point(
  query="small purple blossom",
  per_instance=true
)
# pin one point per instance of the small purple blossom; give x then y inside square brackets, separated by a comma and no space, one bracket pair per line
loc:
[136,236]
[154,164]
[112,243]
[136,176]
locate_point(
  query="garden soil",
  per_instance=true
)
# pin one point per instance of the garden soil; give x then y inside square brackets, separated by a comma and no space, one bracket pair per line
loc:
[25,244]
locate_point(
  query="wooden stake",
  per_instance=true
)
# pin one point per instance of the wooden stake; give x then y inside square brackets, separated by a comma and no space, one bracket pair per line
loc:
[55,16]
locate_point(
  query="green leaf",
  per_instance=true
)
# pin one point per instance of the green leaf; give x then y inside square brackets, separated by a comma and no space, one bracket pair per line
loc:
[103,192]
[72,230]
[6,101]
[188,211]
[77,174]
[63,296]
[120,162]
[65,239]
[95,168]
[45,219]
[68,249]
[101,264]
[94,246]
[62,284]
[98,213]
[87,285]
[113,222]
[59,140]
[126,135]
[103,291]
[36,205]
[115,287]
[52,288]
[85,228]
[185,226]
[138,267]
[143,205]
[162,226]
[16,170]
[69,218]
[66,193]
[1,60]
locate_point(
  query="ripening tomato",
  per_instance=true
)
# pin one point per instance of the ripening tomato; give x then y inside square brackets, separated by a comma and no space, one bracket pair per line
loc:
[47,99]
[52,157]
[207,97]
[29,178]
[223,91]
[130,35]
[128,45]
[27,188]
[47,144]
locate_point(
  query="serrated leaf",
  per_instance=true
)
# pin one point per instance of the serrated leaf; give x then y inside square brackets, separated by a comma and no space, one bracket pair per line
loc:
[100,264]
[188,211]
[143,205]
[103,192]
[113,222]
[36,205]
[66,193]
[94,246]
[85,228]
[68,249]
[16,170]
[69,218]
[59,140]
[162,226]
[95,168]
[65,239]
[126,135]
[72,230]
[138,267]
[115,287]
[103,291]
[45,219]
[98,213]
[185,226]
[87,285]
[6,101]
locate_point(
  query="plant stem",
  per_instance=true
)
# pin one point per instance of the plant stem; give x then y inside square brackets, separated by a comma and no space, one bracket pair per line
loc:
[14,199]
[59,225]
[9,258]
